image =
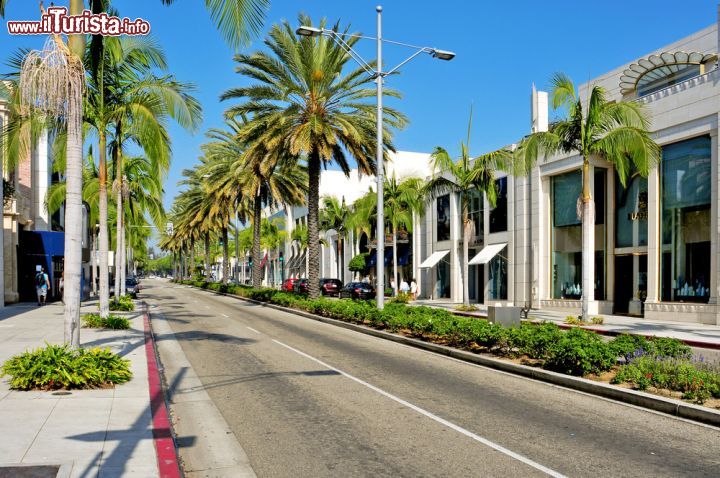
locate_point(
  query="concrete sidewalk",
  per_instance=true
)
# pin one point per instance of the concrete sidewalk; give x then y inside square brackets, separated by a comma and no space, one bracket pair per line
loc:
[89,433]
[699,335]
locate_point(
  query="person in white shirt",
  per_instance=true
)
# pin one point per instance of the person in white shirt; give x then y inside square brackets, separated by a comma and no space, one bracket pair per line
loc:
[414,289]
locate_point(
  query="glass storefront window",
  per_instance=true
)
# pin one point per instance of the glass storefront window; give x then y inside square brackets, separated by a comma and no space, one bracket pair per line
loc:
[475,205]
[443,218]
[498,276]
[567,236]
[631,212]
[442,280]
[686,191]
[498,215]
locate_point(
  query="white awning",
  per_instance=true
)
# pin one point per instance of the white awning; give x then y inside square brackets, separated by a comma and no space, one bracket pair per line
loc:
[433,259]
[487,254]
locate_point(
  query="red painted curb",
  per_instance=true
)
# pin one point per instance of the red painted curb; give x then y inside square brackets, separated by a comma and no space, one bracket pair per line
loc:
[168,465]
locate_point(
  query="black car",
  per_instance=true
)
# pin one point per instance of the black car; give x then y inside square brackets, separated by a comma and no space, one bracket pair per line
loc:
[132,286]
[330,286]
[301,286]
[357,290]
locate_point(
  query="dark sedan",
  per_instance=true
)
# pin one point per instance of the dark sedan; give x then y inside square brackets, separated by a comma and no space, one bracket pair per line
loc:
[301,286]
[357,290]
[330,286]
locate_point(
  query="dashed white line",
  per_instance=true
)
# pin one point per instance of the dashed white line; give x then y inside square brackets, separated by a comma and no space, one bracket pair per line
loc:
[253,330]
[432,416]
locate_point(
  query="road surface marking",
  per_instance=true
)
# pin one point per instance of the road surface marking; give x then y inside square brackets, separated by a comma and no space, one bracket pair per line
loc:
[421,411]
[225,316]
[254,330]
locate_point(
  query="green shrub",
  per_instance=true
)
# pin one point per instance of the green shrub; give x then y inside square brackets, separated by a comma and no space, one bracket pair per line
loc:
[668,347]
[579,352]
[625,345]
[94,321]
[58,366]
[401,298]
[123,304]
[465,308]
[597,320]
[533,340]
[573,320]
[697,380]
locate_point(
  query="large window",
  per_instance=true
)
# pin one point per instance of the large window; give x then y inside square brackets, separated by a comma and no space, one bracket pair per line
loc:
[686,190]
[443,218]
[498,276]
[498,215]
[567,235]
[631,212]
[442,280]
[665,77]
[475,211]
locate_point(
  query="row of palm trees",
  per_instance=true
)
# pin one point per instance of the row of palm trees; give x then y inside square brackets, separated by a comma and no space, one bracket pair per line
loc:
[53,84]
[306,109]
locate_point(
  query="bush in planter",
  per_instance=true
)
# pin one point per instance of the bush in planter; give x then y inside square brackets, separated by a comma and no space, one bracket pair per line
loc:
[579,352]
[122,304]
[533,340]
[668,347]
[94,321]
[58,366]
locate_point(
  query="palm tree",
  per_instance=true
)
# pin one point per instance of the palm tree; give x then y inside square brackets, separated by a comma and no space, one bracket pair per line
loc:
[335,215]
[614,131]
[467,176]
[403,201]
[304,104]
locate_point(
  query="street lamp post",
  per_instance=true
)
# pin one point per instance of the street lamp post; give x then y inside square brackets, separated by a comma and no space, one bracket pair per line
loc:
[378,74]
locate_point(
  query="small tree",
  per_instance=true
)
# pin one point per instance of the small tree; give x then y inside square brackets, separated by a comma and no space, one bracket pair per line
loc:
[358,264]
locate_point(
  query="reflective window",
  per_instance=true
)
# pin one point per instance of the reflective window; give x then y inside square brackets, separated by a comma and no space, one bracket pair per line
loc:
[686,190]
[665,76]
[631,212]
[475,211]
[442,280]
[443,218]
[567,235]
[498,276]
[498,215]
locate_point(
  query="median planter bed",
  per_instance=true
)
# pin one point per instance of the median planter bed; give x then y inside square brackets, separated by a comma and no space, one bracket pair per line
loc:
[660,365]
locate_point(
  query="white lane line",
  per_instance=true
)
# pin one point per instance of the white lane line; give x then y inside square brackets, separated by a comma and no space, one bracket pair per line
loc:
[254,330]
[225,316]
[432,416]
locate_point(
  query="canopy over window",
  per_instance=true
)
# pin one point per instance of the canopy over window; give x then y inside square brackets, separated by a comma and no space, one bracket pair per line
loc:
[434,258]
[659,71]
[487,254]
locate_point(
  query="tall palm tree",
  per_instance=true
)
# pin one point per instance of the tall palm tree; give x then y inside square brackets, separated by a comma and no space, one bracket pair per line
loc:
[335,215]
[403,201]
[465,177]
[305,103]
[614,131]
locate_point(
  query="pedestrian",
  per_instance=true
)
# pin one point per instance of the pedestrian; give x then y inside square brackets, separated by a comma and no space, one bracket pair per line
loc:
[392,286]
[413,289]
[42,283]
[404,287]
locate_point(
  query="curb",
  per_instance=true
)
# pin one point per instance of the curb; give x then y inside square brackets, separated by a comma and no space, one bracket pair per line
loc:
[168,465]
[633,397]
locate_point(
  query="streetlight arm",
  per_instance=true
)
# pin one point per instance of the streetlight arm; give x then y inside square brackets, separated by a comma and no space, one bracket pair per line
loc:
[347,48]
[410,58]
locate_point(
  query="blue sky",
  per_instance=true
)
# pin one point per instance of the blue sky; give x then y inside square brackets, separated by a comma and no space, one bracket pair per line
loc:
[502,48]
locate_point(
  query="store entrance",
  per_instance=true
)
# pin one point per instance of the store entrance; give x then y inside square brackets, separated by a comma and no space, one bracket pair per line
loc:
[630,284]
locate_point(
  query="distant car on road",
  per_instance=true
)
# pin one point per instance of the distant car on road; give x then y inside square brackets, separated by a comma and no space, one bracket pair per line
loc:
[132,286]
[357,290]
[330,287]
[301,286]
[288,284]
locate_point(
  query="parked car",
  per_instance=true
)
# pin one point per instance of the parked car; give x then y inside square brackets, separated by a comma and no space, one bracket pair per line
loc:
[132,286]
[301,286]
[289,284]
[357,290]
[330,287]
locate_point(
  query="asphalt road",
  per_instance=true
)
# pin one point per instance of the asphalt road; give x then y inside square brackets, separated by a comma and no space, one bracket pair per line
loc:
[307,399]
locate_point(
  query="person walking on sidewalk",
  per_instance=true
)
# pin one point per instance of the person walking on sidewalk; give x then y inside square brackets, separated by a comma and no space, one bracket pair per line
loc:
[42,283]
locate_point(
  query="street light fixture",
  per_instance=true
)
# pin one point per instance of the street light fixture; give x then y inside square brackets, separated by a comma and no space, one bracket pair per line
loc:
[378,75]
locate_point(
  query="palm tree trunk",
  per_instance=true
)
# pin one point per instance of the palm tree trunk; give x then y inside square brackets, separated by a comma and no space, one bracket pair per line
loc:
[313,232]
[395,272]
[256,261]
[123,261]
[207,256]
[73,204]
[588,238]
[341,267]
[467,230]
[190,268]
[226,255]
